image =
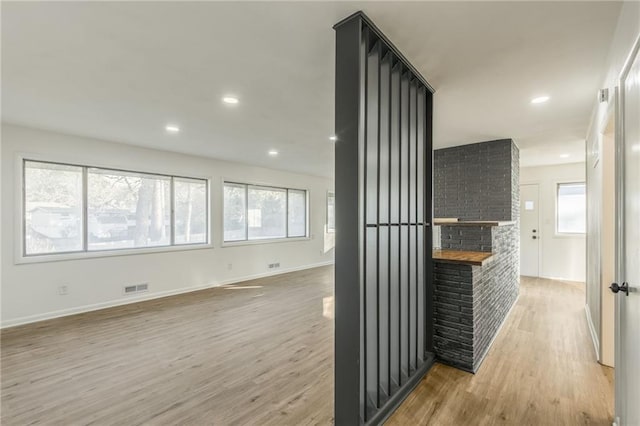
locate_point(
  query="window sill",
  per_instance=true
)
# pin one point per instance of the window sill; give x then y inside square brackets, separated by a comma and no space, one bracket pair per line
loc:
[227,244]
[569,235]
[44,258]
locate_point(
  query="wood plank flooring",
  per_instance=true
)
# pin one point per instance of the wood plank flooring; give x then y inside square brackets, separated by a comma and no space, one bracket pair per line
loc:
[541,370]
[261,353]
[256,353]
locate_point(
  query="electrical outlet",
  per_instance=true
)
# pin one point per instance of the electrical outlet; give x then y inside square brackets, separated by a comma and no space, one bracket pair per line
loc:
[63,290]
[229,266]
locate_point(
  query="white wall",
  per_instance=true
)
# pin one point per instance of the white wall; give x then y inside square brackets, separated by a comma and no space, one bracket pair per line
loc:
[29,291]
[627,31]
[561,256]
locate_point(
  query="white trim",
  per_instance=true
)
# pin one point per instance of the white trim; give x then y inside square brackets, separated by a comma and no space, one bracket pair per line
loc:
[570,235]
[79,161]
[592,330]
[46,258]
[556,278]
[149,296]
[227,244]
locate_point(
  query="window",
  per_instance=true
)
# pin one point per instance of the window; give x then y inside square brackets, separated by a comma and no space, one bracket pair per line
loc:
[267,213]
[253,212]
[52,208]
[235,212]
[190,207]
[571,208]
[116,210]
[127,210]
[297,213]
[331,211]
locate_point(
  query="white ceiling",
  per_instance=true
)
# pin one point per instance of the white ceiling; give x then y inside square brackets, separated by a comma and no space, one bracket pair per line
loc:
[122,71]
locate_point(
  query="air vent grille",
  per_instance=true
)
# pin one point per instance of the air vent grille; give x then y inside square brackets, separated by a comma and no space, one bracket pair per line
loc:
[136,288]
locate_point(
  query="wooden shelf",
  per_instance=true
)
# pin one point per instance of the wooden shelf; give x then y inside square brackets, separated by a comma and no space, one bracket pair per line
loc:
[473,222]
[477,258]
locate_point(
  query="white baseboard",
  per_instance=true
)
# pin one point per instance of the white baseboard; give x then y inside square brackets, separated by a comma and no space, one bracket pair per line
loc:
[148,296]
[573,279]
[592,330]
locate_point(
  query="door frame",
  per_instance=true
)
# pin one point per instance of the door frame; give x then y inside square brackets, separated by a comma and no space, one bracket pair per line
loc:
[611,115]
[540,206]
[620,379]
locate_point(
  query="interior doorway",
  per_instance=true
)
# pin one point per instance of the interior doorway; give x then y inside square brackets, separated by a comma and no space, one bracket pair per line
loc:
[530,230]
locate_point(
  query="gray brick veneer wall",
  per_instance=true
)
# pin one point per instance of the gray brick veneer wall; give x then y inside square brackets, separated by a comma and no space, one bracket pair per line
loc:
[453,314]
[494,291]
[471,302]
[477,181]
[471,238]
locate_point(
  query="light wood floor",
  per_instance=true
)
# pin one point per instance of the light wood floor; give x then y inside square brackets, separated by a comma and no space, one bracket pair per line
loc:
[541,370]
[257,353]
[261,353]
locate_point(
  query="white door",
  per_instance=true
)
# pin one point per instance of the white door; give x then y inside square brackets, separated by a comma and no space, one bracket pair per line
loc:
[529,230]
[627,372]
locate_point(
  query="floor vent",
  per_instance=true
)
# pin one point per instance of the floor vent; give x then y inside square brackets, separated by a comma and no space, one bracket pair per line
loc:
[133,289]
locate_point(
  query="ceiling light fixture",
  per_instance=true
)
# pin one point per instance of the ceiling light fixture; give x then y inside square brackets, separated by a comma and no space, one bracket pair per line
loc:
[333,138]
[172,128]
[273,152]
[565,155]
[540,99]
[232,100]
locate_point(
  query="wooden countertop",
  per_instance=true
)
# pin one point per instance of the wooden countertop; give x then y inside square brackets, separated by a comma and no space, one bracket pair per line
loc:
[448,222]
[478,258]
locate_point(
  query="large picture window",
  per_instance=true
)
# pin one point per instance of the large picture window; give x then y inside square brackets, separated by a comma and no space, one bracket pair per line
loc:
[571,208]
[71,209]
[253,212]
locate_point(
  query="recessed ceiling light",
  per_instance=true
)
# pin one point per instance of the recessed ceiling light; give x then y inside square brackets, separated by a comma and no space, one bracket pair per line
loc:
[273,152]
[230,100]
[540,99]
[565,155]
[333,138]
[172,128]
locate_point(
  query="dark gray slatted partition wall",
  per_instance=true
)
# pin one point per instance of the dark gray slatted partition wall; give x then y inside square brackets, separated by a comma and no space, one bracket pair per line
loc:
[383,286]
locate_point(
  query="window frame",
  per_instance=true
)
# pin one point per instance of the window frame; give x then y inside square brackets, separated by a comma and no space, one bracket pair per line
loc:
[247,240]
[21,255]
[331,194]
[557,232]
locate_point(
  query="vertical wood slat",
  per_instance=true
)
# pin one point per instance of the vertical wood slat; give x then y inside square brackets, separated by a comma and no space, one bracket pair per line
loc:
[371,206]
[428,218]
[394,201]
[362,199]
[404,230]
[349,125]
[413,306]
[420,219]
[384,282]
